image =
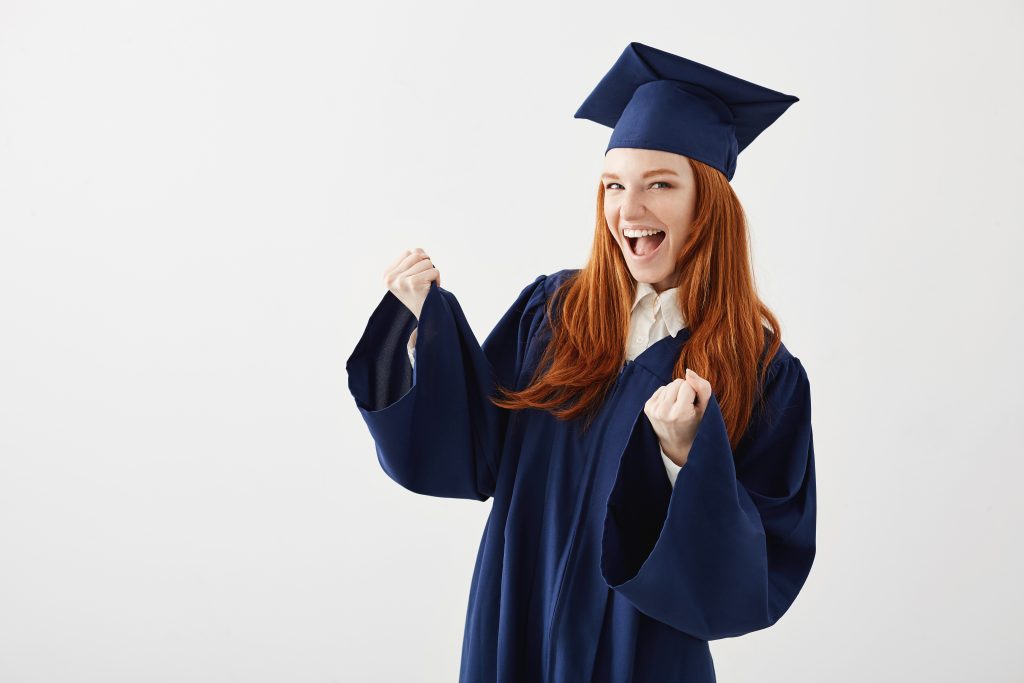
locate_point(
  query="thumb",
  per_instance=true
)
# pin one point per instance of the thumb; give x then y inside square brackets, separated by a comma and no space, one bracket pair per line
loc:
[700,385]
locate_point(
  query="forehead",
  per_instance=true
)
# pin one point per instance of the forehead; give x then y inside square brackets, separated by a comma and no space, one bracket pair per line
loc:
[636,160]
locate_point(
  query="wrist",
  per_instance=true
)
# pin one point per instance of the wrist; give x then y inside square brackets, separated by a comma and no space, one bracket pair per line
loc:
[678,455]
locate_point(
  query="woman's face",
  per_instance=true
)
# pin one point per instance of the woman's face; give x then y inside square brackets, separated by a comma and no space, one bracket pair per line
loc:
[652,190]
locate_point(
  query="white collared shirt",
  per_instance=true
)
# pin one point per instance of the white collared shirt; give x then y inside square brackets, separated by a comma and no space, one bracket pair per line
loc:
[653,317]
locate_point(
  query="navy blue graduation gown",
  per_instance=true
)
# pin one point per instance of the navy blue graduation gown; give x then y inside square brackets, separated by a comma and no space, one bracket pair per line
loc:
[592,567]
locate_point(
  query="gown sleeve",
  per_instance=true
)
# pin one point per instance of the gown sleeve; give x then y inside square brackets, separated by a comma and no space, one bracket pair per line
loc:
[411,346]
[726,550]
[434,428]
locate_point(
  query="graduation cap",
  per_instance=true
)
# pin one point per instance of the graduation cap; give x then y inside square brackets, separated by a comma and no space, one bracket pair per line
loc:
[657,100]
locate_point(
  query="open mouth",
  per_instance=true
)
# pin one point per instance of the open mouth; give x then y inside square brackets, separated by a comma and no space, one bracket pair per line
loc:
[643,247]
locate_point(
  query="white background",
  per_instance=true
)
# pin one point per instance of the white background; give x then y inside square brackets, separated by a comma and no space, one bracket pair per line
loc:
[197,204]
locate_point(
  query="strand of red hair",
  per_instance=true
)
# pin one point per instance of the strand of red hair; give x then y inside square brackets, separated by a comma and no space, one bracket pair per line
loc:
[728,343]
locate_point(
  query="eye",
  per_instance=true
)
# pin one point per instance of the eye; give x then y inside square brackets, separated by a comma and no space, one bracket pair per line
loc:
[659,182]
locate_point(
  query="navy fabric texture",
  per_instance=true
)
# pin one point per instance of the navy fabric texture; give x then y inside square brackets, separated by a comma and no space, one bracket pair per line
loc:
[654,99]
[592,567]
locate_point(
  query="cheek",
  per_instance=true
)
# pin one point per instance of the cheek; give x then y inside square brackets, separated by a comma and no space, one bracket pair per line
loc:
[685,215]
[680,221]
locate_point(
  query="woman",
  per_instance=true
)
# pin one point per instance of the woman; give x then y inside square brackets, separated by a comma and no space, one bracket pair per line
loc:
[645,438]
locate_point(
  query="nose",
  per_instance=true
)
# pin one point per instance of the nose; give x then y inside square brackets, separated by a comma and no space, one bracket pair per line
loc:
[632,207]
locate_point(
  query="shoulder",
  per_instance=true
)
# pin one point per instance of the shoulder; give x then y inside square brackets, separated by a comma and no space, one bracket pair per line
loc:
[543,287]
[531,306]
[784,358]
[555,280]
[786,384]
[785,377]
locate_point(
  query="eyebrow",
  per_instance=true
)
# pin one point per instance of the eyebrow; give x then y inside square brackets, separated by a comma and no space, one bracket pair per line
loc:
[657,171]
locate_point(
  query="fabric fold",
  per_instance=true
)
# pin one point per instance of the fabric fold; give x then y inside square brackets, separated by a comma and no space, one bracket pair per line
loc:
[435,430]
[728,549]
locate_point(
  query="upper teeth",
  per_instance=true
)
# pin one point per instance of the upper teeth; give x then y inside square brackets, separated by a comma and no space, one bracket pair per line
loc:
[631,232]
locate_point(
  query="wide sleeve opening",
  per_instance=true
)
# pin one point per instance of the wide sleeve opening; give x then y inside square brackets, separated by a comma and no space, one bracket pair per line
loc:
[434,427]
[727,549]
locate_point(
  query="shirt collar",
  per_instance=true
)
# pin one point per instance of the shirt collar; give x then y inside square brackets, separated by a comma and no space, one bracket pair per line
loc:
[667,303]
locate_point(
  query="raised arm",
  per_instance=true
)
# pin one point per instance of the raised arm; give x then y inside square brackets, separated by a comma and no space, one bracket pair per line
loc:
[727,550]
[435,430]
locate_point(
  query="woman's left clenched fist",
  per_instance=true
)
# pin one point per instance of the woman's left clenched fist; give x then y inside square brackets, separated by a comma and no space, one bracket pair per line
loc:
[675,411]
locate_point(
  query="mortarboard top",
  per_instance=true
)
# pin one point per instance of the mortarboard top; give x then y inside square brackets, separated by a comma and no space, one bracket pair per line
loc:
[657,100]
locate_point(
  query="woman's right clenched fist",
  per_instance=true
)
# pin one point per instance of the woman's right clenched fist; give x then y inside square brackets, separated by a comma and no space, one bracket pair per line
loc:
[409,279]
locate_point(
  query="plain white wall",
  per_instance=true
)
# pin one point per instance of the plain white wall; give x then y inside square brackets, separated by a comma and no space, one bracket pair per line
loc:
[197,202]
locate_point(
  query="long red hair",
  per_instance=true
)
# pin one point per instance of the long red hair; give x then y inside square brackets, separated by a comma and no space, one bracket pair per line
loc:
[728,345]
